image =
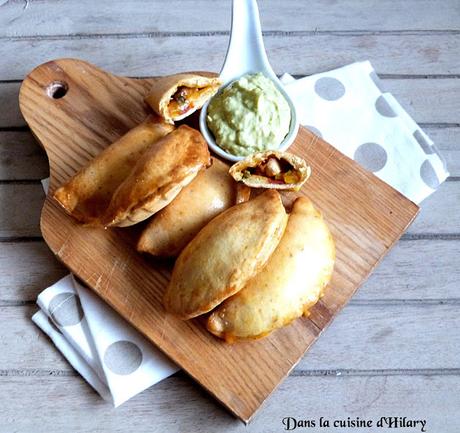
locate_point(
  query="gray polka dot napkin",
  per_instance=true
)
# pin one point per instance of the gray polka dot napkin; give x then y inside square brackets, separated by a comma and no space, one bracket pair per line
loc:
[348,108]
[115,359]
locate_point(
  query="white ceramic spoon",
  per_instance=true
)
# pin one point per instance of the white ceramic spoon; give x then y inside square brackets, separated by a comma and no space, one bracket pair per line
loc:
[246,55]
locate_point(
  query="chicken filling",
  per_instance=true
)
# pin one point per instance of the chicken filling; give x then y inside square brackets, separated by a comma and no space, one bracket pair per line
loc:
[274,171]
[183,100]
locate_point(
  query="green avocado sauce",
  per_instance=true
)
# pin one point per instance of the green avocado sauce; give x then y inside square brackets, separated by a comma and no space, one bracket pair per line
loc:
[250,115]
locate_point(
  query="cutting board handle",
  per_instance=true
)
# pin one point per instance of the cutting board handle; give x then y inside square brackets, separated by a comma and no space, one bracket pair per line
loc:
[62,99]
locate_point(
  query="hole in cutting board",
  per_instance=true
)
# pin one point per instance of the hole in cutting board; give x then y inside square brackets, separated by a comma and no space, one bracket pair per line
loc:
[57,89]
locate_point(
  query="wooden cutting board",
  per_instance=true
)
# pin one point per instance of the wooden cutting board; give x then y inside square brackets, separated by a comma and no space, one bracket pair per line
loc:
[75,110]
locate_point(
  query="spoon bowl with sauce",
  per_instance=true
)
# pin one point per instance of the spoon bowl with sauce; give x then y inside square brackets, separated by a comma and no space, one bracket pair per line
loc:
[246,57]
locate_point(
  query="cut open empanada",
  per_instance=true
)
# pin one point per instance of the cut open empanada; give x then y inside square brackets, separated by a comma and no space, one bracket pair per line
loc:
[272,169]
[175,97]
[224,255]
[158,177]
[87,194]
[290,283]
[209,194]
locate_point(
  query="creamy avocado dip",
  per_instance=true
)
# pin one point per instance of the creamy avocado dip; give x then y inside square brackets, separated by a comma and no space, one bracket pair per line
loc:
[248,116]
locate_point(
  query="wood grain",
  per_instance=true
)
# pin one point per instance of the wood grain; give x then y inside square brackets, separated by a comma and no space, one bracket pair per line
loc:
[22,217]
[366,217]
[389,339]
[400,276]
[28,267]
[21,158]
[163,408]
[437,213]
[419,96]
[144,16]
[10,115]
[305,53]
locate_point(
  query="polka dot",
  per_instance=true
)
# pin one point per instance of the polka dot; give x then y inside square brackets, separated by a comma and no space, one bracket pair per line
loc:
[383,107]
[428,175]
[441,158]
[329,88]
[377,81]
[371,156]
[427,148]
[123,357]
[65,309]
[53,325]
[314,130]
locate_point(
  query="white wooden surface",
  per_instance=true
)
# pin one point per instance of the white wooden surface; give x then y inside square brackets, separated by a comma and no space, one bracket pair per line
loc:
[394,351]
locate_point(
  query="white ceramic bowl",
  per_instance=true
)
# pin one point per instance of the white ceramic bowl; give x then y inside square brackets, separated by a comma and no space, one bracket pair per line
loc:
[287,141]
[246,55]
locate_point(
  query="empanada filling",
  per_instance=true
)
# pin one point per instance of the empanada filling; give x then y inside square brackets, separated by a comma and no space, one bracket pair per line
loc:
[184,99]
[273,170]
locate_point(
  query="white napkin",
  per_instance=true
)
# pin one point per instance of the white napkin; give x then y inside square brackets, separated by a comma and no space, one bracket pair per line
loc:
[115,359]
[347,108]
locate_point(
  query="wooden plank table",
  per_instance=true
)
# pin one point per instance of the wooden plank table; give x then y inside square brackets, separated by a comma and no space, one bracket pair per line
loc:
[393,351]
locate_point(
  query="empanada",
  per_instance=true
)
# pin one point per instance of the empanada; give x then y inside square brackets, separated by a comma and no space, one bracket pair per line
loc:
[209,194]
[87,194]
[164,169]
[272,169]
[177,96]
[224,255]
[292,280]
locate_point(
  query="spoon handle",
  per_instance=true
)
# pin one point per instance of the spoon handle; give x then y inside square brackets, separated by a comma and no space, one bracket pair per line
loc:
[246,51]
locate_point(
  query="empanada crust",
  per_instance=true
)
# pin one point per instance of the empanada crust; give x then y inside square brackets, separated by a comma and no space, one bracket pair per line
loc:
[224,255]
[86,196]
[208,195]
[164,88]
[158,177]
[290,283]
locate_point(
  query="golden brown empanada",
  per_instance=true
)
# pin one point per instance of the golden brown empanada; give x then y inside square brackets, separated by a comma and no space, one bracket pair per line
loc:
[287,286]
[224,255]
[209,194]
[272,169]
[87,194]
[175,97]
[164,169]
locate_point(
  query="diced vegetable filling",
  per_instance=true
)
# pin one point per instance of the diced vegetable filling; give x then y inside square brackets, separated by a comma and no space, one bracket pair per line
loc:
[183,100]
[274,171]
